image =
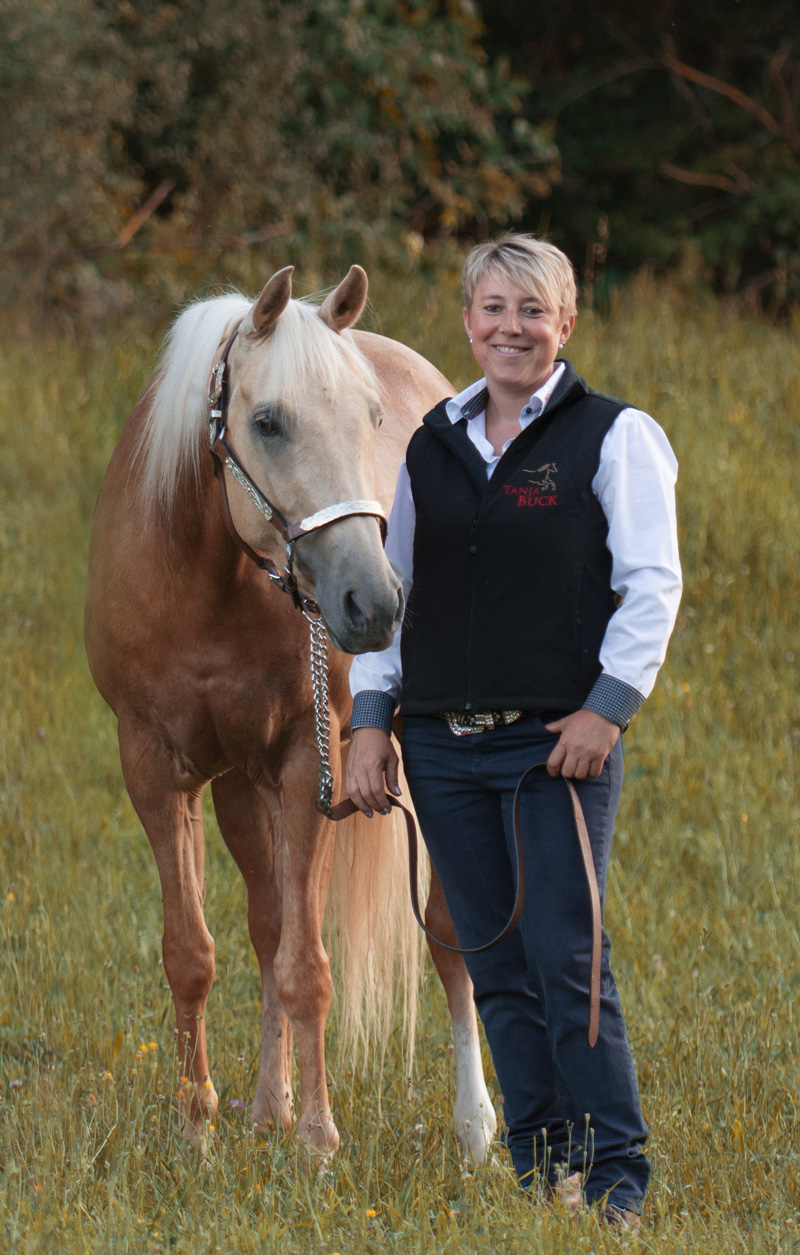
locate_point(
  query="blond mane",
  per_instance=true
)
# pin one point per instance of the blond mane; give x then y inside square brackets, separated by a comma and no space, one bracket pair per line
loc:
[302,351]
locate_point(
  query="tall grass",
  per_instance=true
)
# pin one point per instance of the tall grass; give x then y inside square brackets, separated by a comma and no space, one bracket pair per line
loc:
[702,897]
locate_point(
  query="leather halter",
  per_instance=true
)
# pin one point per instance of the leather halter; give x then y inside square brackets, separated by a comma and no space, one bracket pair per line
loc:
[224,457]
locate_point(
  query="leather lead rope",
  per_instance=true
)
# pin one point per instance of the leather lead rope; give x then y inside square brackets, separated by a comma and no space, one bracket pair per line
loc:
[347,808]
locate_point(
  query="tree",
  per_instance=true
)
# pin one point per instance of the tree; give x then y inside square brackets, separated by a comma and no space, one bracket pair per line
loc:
[677,128]
[64,94]
[351,128]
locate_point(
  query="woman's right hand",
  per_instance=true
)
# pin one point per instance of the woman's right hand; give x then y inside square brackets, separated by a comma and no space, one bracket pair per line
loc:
[372,766]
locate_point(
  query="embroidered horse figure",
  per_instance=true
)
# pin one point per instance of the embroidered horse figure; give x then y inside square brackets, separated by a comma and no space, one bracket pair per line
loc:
[547,484]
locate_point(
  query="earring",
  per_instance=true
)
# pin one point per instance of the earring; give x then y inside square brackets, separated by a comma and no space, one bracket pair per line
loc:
[470,339]
[561,345]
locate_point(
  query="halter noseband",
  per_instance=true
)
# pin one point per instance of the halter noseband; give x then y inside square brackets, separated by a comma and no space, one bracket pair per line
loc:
[224,458]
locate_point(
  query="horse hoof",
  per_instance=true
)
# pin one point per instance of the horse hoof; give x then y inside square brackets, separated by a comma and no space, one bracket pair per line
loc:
[318,1138]
[265,1121]
[475,1137]
[196,1107]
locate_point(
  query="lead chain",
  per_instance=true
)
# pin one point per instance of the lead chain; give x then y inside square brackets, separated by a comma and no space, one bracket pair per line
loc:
[319,682]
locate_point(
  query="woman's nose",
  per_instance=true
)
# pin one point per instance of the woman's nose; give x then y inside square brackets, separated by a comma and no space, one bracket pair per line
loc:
[511,323]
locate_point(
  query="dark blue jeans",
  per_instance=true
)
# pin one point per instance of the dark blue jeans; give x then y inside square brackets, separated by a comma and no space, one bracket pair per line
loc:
[567,1106]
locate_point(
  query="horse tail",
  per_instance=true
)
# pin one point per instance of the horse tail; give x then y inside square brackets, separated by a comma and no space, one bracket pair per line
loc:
[375,938]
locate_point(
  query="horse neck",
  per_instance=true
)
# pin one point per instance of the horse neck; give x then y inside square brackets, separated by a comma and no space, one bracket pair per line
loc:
[199,537]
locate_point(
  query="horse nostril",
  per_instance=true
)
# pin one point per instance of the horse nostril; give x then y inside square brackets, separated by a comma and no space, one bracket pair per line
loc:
[398,618]
[353,613]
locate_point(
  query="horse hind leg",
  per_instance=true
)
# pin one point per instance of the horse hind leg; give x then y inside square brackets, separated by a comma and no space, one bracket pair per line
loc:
[473,1114]
[246,827]
[171,817]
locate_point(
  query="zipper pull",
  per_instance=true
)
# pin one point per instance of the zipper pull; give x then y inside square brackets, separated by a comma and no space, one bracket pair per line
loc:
[473,537]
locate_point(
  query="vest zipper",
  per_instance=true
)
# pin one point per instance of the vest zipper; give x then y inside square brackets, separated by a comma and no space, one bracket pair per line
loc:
[473,549]
[473,536]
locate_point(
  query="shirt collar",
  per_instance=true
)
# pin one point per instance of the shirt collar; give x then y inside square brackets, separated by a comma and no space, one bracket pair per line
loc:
[472,401]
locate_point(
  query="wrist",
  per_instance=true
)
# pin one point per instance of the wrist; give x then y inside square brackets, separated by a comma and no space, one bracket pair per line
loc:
[372,708]
[368,731]
[614,700]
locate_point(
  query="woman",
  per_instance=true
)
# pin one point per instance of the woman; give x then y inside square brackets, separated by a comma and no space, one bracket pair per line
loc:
[534,530]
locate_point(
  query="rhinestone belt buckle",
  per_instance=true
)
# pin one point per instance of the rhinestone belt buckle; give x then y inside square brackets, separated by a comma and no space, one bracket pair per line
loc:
[468,723]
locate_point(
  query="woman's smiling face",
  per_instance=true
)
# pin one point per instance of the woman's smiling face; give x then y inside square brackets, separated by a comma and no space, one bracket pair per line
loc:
[515,336]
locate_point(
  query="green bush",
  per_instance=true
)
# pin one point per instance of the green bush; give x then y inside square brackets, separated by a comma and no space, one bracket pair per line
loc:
[336,130]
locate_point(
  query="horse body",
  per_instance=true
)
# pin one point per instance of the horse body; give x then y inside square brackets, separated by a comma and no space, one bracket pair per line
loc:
[206,666]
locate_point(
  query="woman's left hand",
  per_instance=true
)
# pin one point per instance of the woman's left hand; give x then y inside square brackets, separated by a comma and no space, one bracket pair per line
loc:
[585,743]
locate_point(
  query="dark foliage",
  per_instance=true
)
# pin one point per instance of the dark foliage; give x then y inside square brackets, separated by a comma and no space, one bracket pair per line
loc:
[350,129]
[145,144]
[677,125]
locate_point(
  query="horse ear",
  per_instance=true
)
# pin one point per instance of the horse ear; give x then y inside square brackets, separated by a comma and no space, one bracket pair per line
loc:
[346,305]
[271,303]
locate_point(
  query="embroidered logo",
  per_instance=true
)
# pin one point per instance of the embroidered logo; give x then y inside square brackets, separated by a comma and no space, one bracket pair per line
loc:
[546,483]
[540,489]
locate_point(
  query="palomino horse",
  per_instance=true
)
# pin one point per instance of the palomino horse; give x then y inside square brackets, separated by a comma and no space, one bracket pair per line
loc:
[206,666]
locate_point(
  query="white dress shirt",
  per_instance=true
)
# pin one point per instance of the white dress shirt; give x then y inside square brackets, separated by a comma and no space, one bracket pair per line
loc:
[635,486]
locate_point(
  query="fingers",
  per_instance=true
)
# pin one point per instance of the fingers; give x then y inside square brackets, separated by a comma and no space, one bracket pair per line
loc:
[584,743]
[572,765]
[366,790]
[556,760]
[392,782]
[372,758]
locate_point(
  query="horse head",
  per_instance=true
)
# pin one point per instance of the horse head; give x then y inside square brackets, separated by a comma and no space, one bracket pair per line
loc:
[303,409]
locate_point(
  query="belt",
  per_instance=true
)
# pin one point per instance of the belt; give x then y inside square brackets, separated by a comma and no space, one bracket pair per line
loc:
[468,722]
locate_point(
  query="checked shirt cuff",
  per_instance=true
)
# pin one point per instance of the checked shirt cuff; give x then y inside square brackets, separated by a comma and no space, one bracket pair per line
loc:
[373,708]
[614,699]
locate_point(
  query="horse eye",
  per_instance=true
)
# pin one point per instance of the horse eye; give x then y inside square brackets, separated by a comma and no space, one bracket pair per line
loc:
[267,419]
[376,414]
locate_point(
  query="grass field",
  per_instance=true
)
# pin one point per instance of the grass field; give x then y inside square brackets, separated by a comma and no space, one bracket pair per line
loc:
[703,892]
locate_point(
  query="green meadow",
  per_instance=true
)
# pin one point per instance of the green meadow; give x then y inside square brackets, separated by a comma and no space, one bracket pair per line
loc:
[703,895]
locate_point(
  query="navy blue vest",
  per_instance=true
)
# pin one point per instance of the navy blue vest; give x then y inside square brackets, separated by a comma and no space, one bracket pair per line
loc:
[511,594]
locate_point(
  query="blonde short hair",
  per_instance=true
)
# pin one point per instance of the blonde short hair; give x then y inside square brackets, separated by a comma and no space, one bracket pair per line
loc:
[528,262]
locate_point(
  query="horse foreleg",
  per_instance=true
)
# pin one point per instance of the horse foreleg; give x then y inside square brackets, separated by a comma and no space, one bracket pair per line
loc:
[246,827]
[473,1114]
[302,971]
[171,818]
